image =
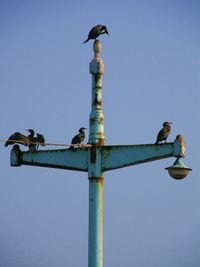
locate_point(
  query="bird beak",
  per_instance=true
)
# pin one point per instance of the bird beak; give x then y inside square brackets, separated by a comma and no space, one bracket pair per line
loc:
[105,31]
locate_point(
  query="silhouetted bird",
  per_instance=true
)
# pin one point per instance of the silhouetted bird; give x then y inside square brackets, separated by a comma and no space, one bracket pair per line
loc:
[79,138]
[96,31]
[35,141]
[31,141]
[164,132]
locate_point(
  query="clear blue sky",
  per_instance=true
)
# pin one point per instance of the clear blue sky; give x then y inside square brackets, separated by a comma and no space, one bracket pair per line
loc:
[152,75]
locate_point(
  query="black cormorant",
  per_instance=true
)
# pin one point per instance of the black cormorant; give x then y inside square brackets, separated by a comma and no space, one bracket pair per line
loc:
[96,31]
[164,132]
[78,138]
[27,140]
[35,141]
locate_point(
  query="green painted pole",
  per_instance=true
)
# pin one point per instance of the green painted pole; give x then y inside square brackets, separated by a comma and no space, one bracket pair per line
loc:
[95,174]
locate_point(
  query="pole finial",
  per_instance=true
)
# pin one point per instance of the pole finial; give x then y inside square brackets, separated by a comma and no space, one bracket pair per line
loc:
[97,49]
[96,65]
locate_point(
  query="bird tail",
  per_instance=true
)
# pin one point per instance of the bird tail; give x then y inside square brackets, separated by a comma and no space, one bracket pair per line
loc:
[85,41]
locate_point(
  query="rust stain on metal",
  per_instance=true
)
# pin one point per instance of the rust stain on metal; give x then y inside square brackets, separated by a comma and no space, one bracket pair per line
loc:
[96,101]
[100,142]
[101,120]
[97,180]
[98,120]
[97,77]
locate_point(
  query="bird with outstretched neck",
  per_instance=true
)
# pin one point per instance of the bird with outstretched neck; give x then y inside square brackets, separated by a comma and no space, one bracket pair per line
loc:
[78,138]
[164,132]
[96,31]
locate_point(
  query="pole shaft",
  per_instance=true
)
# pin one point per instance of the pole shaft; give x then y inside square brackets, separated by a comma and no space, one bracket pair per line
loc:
[95,174]
[95,222]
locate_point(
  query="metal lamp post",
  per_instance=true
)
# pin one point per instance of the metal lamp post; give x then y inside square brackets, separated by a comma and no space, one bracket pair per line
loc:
[98,158]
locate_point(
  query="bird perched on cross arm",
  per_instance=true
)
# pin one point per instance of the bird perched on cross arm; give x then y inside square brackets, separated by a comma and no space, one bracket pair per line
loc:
[164,132]
[31,140]
[78,138]
[96,31]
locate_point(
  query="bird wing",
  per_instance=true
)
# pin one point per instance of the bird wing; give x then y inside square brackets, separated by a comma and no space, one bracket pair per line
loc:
[163,134]
[40,139]
[94,32]
[17,138]
[160,135]
[76,139]
[36,141]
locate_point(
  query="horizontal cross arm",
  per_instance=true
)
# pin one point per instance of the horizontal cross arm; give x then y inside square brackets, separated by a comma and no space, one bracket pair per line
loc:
[76,159]
[119,156]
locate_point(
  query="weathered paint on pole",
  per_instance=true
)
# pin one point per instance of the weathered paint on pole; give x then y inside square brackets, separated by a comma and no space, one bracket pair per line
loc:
[95,237]
[96,134]
[95,174]
[110,157]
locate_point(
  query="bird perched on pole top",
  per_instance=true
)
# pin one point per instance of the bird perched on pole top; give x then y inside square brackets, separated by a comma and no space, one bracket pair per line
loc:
[164,132]
[96,31]
[78,138]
